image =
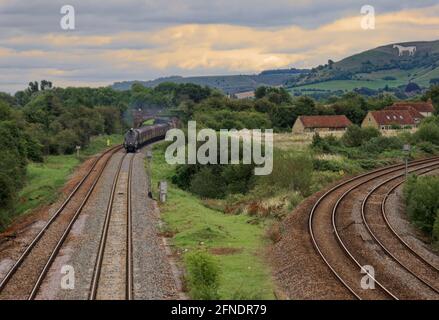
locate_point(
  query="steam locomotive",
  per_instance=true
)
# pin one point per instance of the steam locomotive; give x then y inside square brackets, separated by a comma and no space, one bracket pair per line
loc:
[136,138]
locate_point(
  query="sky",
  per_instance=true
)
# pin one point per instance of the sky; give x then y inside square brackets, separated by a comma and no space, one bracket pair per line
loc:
[143,39]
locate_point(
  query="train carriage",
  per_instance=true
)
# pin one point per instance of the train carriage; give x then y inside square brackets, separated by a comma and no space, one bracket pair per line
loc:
[136,138]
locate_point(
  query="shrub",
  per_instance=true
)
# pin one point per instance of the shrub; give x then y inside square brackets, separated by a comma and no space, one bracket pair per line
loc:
[380,144]
[202,276]
[356,136]
[421,195]
[291,171]
[206,184]
[325,144]
[427,147]
[436,228]
[66,141]
[428,132]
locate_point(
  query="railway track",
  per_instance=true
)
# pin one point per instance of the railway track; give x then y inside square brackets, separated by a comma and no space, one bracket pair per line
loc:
[24,278]
[373,213]
[395,234]
[113,272]
[335,249]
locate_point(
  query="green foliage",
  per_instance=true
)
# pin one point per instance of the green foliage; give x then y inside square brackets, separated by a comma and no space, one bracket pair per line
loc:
[274,95]
[421,195]
[16,148]
[435,232]
[428,132]
[202,276]
[356,136]
[427,147]
[291,171]
[381,144]
[325,144]
[206,184]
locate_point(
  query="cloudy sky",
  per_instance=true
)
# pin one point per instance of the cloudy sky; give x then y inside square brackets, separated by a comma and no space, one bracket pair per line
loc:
[145,39]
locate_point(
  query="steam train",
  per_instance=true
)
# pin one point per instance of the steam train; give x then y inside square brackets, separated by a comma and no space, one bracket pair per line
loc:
[136,138]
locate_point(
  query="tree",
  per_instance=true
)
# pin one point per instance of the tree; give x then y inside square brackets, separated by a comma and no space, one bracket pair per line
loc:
[356,136]
[33,87]
[433,94]
[45,85]
[330,64]
[206,184]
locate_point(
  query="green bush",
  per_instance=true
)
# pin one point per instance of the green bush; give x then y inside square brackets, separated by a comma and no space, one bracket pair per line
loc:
[206,184]
[427,147]
[202,276]
[421,196]
[436,228]
[428,132]
[291,171]
[356,136]
[327,144]
[380,144]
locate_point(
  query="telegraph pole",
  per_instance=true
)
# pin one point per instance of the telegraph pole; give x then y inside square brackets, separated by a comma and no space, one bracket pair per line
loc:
[406,148]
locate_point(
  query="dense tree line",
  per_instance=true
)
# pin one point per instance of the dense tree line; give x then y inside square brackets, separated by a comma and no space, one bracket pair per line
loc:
[43,120]
[275,108]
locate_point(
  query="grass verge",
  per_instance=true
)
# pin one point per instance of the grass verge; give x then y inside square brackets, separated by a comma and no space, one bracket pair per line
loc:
[234,240]
[44,179]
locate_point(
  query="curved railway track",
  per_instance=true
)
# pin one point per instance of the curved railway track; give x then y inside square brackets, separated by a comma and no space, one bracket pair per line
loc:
[328,242]
[395,233]
[27,272]
[378,226]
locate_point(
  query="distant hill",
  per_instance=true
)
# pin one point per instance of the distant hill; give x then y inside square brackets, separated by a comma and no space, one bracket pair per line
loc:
[373,70]
[228,84]
[376,68]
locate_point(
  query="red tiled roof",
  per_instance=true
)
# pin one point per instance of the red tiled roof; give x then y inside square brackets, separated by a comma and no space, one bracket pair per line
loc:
[325,121]
[392,117]
[414,113]
[419,106]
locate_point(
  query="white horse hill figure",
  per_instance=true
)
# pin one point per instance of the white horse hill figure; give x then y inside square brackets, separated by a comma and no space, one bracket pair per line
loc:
[402,49]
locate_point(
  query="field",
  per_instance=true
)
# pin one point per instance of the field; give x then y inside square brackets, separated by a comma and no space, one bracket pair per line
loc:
[374,80]
[236,242]
[44,179]
[374,69]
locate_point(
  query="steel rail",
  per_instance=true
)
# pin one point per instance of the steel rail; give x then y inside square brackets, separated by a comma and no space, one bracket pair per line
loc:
[66,232]
[33,243]
[389,225]
[375,237]
[102,243]
[335,188]
[129,253]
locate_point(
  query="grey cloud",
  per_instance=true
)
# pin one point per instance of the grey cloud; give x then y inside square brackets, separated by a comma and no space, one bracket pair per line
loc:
[106,16]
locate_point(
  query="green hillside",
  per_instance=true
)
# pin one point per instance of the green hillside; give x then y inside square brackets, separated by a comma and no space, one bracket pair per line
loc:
[374,69]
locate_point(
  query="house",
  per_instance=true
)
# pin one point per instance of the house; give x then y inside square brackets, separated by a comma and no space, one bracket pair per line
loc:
[390,119]
[244,95]
[305,124]
[426,109]
[417,116]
